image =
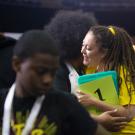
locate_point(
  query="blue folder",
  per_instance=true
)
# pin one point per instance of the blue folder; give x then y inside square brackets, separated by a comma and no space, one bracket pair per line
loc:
[90,77]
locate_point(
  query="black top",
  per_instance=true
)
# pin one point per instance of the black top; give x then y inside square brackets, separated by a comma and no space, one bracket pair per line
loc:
[60,114]
[61,81]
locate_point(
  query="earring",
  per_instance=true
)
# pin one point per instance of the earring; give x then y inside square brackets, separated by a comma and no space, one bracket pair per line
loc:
[100,68]
[97,68]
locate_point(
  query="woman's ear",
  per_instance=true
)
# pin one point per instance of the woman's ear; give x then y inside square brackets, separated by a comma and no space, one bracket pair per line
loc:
[16,62]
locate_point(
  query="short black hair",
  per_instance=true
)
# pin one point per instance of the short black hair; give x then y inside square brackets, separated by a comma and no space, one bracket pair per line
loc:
[33,42]
[69,29]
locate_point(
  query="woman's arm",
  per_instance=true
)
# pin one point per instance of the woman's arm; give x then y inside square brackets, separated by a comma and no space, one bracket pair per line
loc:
[101,131]
[122,111]
[111,123]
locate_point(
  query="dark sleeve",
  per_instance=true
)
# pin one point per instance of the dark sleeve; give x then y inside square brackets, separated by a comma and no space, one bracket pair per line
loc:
[78,121]
[61,81]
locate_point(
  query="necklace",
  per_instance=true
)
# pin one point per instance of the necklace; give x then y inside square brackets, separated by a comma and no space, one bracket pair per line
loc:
[7,116]
[100,69]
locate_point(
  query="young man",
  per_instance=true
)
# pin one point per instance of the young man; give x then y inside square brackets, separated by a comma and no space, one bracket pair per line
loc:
[31,107]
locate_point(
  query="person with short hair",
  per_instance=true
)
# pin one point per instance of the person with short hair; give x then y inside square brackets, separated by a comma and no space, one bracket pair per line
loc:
[69,29]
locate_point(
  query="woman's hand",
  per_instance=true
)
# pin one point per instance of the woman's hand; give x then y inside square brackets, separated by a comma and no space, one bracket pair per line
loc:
[122,111]
[111,122]
[85,99]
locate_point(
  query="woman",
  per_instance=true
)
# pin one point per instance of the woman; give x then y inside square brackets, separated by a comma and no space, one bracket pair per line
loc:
[111,48]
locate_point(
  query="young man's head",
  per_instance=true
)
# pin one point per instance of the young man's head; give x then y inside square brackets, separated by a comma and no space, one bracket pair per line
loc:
[35,60]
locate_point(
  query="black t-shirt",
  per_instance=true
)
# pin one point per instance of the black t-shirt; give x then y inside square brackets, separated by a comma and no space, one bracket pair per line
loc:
[60,114]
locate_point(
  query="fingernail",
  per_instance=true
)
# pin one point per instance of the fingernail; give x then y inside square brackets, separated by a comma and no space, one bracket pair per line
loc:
[115,110]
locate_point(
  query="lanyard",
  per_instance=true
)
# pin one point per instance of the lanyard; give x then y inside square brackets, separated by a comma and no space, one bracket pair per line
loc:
[73,75]
[8,113]
[71,68]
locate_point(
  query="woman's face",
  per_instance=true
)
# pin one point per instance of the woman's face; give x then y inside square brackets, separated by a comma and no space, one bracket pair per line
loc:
[91,50]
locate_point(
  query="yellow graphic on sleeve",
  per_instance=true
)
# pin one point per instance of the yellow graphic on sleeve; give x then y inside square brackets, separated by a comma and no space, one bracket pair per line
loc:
[103,89]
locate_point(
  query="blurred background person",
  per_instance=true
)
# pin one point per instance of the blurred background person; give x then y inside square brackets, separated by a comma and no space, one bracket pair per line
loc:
[69,29]
[7,75]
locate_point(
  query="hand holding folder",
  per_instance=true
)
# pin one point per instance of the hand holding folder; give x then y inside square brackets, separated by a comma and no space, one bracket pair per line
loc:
[101,85]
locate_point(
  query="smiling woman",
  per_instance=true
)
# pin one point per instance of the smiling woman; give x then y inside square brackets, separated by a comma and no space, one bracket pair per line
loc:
[111,48]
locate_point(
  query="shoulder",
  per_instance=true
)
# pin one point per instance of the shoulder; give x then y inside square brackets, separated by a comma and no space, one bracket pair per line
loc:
[67,101]
[75,115]
[61,95]
[63,100]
